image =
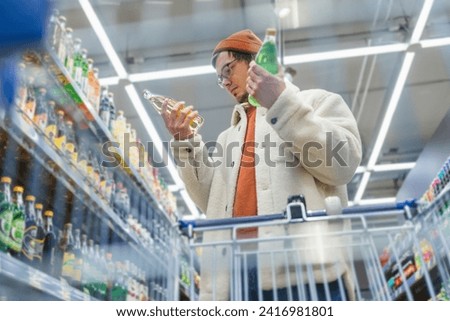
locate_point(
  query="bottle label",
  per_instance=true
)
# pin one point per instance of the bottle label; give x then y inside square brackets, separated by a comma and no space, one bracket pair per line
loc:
[29,242]
[70,148]
[68,265]
[6,215]
[17,231]
[60,142]
[40,121]
[50,131]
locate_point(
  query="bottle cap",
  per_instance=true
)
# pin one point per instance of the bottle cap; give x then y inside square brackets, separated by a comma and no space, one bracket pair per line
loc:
[60,112]
[90,61]
[68,225]
[30,198]
[52,103]
[39,206]
[18,189]
[62,18]
[69,122]
[271,31]
[43,90]
[48,213]
[6,179]
[70,30]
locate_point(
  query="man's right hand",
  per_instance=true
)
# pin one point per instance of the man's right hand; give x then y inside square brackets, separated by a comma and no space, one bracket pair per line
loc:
[178,120]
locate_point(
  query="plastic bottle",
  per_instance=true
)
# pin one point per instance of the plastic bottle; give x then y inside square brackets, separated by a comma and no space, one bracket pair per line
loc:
[50,241]
[6,212]
[60,138]
[30,101]
[267,58]
[40,234]
[40,115]
[71,144]
[51,128]
[157,102]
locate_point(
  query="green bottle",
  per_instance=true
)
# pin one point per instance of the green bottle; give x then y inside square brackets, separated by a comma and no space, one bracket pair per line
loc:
[266,58]
[18,222]
[6,213]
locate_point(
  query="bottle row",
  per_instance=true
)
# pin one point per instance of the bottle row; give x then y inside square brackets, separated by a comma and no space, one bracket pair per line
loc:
[438,184]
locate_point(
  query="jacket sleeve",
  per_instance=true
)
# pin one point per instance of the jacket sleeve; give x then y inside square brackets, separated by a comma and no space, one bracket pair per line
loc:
[195,167]
[322,130]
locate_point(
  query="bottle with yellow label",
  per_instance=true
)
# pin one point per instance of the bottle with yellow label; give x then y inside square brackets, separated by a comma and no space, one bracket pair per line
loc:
[40,234]
[60,138]
[30,233]
[50,129]
[71,144]
[6,212]
[40,115]
[17,223]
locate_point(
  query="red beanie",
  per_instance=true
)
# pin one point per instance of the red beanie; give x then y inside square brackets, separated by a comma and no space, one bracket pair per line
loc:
[242,41]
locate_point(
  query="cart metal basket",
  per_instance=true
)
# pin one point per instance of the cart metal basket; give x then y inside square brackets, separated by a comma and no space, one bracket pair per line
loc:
[385,252]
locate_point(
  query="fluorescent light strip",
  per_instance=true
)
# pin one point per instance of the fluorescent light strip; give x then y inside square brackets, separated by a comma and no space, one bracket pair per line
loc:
[345,53]
[103,37]
[394,167]
[393,103]
[421,21]
[152,132]
[172,73]
[429,43]
[362,187]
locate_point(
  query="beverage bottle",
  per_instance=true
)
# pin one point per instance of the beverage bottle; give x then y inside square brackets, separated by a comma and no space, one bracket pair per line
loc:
[119,287]
[6,212]
[18,222]
[94,288]
[86,274]
[50,242]
[71,144]
[77,69]
[84,71]
[51,128]
[110,275]
[119,127]
[53,29]
[40,234]
[30,101]
[82,159]
[95,90]
[78,263]
[157,102]
[104,112]
[60,138]
[30,233]
[68,59]
[102,286]
[267,58]
[22,87]
[112,111]
[66,247]
[60,39]
[40,115]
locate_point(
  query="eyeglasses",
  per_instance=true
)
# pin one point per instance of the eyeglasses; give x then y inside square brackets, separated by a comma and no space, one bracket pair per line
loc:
[225,73]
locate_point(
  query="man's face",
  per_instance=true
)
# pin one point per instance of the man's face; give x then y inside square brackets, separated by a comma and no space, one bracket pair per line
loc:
[233,74]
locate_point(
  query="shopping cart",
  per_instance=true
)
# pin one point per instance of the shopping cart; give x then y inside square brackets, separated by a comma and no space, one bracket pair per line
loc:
[385,252]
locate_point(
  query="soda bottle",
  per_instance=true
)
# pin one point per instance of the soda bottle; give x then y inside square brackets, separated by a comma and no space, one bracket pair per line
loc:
[51,128]
[6,212]
[60,39]
[30,101]
[157,102]
[71,144]
[53,29]
[68,42]
[50,241]
[78,264]
[18,222]
[77,69]
[86,274]
[66,247]
[112,111]
[266,58]
[40,115]
[40,234]
[60,138]
[94,93]
[84,71]
[30,234]
[22,87]
[104,112]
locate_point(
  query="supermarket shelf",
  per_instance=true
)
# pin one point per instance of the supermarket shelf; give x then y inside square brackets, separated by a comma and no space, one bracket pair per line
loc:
[94,122]
[11,268]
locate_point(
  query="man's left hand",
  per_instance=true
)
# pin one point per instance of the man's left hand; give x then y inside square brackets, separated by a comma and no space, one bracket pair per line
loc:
[264,86]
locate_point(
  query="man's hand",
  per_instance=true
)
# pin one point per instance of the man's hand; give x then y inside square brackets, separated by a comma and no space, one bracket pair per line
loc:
[264,86]
[178,120]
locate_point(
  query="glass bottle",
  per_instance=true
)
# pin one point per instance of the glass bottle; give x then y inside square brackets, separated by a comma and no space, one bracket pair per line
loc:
[78,263]
[53,29]
[77,70]
[60,138]
[18,222]
[30,233]
[105,107]
[22,87]
[119,127]
[71,144]
[50,242]
[51,128]
[60,39]
[66,247]
[40,234]
[95,93]
[157,102]
[86,274]
[30,101]
[40,115]
[84,71]
[267,58]
[6,212]
[112,111]
[68,59]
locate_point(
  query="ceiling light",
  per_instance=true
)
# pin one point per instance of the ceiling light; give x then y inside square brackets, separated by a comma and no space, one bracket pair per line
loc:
[362,187]
[392,106]
[103,38]
[172,73]
[421,21]
[394,167]
[190,204]
[429,43]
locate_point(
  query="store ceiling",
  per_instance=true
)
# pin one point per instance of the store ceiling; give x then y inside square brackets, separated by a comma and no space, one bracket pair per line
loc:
[153,36]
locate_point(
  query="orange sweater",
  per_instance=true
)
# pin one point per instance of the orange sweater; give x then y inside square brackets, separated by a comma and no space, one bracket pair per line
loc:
[245,198]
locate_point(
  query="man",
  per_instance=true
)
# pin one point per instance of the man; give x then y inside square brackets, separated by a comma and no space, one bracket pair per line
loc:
[285,148]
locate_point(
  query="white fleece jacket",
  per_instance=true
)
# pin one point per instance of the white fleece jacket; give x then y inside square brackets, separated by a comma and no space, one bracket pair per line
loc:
[294,142]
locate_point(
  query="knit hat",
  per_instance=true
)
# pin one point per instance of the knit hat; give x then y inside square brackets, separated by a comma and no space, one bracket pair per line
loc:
[244,41]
